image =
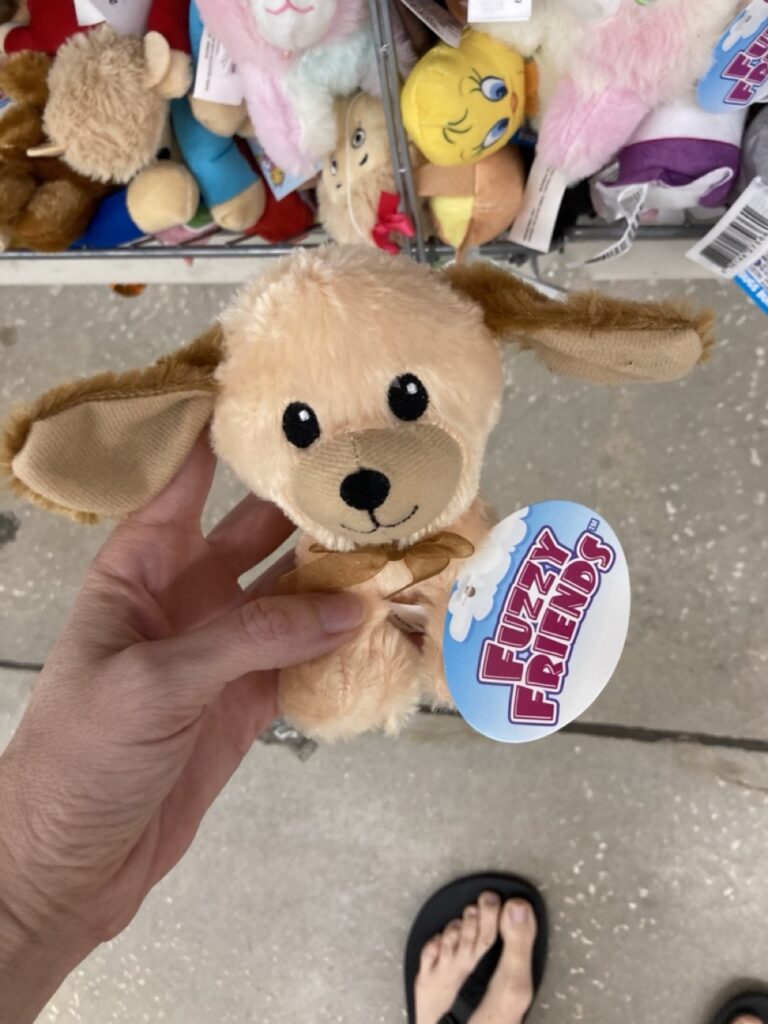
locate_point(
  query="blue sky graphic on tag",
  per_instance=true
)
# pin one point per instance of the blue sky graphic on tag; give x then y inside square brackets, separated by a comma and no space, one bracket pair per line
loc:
[537,621]
[739,72]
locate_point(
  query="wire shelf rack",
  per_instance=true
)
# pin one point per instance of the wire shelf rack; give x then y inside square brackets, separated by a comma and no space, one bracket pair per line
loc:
[225,245]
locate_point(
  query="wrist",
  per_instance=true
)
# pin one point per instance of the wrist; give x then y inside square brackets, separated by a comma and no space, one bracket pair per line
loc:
[39,945]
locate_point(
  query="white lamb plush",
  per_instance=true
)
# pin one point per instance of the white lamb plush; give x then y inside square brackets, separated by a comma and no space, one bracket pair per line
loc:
[472,600]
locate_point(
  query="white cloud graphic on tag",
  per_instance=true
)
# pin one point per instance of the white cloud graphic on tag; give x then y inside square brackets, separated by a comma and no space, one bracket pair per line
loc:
[476,586]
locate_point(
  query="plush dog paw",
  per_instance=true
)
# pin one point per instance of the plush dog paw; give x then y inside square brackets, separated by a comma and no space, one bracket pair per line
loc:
[372,683]
[169,72]
[220,118]
[163,196]
[243,210]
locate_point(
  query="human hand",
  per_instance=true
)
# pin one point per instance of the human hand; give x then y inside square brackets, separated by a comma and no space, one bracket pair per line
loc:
[163,677]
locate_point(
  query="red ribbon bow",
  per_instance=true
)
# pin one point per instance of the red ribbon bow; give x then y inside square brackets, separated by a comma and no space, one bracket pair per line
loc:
[389,221]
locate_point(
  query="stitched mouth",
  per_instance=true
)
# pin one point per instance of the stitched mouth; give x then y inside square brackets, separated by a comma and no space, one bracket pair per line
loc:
[290,6]
[382,526]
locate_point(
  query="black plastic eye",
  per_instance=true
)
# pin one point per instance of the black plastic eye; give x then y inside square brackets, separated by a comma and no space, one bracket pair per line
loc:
[408,398]
[300,425]
[164,153]
[358,138]
[334,166]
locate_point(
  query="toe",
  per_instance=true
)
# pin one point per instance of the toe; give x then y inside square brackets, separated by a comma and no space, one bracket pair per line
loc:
[488,921]
[518,929]
[429,954]
[449,940]
[470,927]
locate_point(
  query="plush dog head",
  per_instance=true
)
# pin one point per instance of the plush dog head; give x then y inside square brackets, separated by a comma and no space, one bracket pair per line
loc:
[106,114]
[354,389]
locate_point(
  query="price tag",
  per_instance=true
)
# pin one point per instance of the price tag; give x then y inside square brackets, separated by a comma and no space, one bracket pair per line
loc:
[480,11]
[217,78]
[740,237]
[535,223]
[537,622]
[127,17]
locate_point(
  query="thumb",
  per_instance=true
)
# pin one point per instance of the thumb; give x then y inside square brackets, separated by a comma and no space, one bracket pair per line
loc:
[268,633]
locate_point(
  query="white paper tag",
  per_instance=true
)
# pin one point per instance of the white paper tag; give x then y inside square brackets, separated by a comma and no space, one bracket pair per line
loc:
[217,78]
[740,238]
[436,18]
[127,17]
[87,13]
[535,223]
[479,11]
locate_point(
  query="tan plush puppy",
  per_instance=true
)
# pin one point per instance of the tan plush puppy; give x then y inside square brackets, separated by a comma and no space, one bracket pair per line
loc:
[356,390]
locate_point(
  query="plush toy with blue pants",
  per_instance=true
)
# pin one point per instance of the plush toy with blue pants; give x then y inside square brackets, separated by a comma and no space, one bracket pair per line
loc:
[231,189]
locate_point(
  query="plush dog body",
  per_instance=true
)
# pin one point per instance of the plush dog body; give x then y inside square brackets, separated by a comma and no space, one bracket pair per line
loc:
[356,391]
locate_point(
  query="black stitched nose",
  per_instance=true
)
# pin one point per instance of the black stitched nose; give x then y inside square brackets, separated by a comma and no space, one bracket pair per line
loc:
[366,489]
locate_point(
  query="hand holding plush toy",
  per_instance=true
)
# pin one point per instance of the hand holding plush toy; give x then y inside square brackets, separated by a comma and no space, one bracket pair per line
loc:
[356,391]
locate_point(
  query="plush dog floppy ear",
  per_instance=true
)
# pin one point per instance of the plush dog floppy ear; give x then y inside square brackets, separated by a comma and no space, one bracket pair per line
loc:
[106,445]
[588,335]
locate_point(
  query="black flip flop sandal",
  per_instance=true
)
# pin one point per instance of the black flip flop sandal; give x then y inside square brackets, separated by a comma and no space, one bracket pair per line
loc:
[446,905]
[753,1003]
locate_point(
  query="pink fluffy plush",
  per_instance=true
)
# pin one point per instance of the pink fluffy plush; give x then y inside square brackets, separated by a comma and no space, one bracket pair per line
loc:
[294,58]
[622,69]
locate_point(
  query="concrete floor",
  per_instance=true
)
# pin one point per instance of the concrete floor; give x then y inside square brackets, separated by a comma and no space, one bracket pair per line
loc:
[296,899]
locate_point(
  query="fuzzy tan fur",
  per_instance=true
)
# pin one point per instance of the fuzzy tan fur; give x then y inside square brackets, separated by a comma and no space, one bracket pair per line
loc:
[605,341]
[100,108]
[333,328]
[44,204]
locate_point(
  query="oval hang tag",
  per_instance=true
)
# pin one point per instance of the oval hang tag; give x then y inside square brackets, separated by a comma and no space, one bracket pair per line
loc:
[537,622]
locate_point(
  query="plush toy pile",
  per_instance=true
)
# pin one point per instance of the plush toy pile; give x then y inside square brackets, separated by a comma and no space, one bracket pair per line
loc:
[110,132]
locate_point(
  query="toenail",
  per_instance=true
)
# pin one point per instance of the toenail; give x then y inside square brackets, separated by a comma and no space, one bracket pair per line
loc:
[490,899]
[471,911]
[517,912]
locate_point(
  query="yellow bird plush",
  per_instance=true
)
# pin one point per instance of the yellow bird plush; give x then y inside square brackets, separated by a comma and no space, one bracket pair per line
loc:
[463,103]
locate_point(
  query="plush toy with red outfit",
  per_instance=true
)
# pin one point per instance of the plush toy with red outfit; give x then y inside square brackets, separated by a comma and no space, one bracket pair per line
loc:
[166,42]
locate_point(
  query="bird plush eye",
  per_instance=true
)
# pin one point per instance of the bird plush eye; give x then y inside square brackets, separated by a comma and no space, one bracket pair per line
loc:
[300,425]
[358,138]
[495,133]
[334,166]
[493,88]
[408,398]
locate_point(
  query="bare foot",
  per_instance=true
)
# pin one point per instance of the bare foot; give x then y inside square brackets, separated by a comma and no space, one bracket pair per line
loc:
[741,1019]
[448,959]
[510,990]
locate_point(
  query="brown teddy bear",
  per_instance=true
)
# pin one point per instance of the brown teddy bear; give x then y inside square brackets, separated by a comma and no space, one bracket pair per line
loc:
[44,204]
[356,390]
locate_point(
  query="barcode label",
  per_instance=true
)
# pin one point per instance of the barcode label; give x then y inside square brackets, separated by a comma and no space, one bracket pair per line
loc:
[740,237]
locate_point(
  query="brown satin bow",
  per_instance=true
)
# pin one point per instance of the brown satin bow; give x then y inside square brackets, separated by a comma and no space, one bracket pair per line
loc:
[339,570]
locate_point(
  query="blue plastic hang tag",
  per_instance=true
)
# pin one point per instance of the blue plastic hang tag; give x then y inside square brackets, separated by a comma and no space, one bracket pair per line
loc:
[537,622]
[739,72]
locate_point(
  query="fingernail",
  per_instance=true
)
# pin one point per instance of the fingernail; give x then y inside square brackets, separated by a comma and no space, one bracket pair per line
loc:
[518,912]
[339,612]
